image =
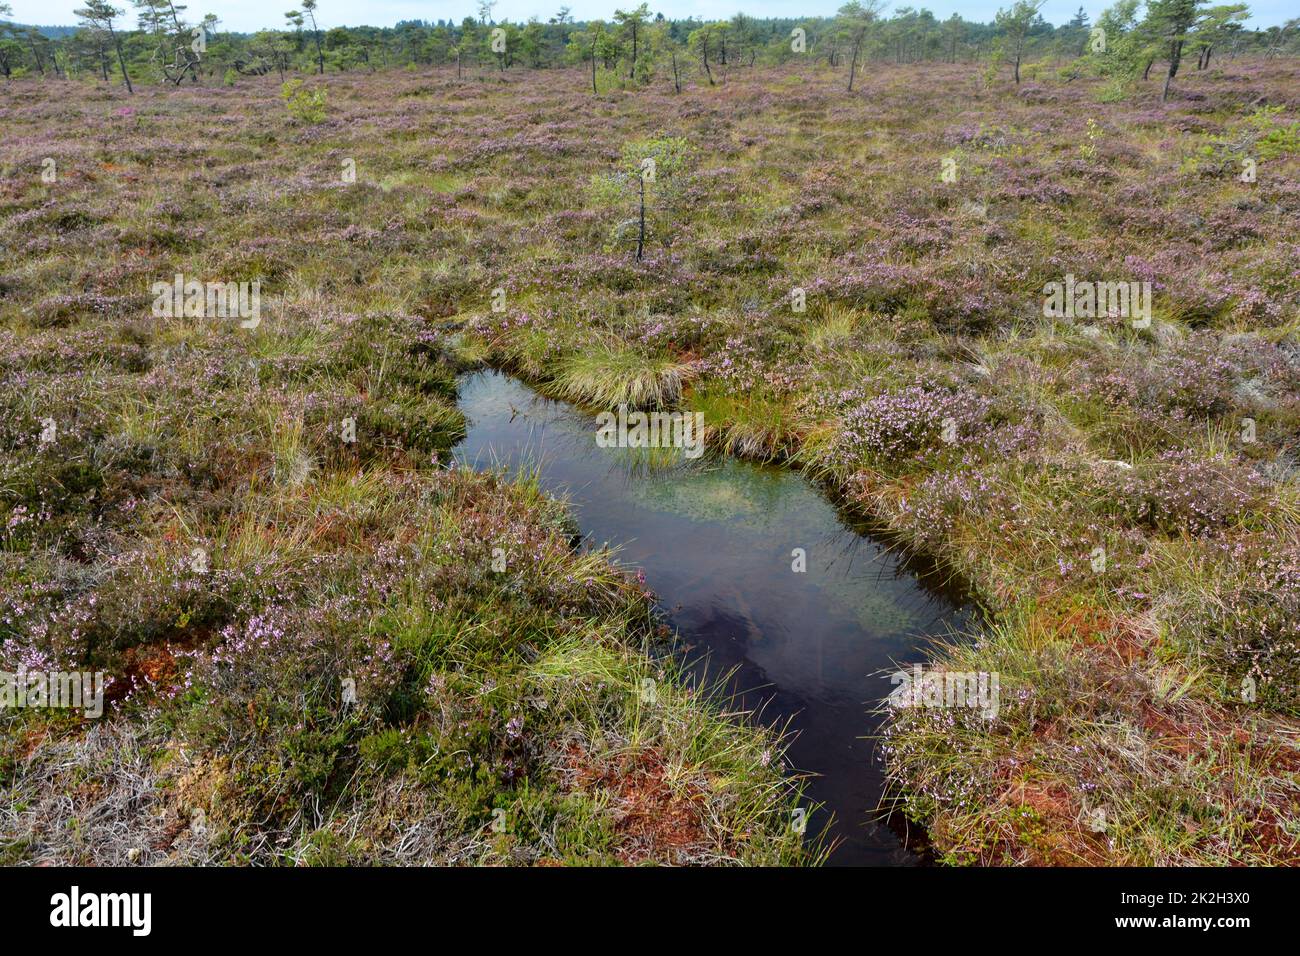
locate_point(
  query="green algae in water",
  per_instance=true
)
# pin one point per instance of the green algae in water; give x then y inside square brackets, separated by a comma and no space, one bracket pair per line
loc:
[746,496]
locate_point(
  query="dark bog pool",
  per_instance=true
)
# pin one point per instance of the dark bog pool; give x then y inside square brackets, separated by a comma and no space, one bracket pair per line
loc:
[715,540]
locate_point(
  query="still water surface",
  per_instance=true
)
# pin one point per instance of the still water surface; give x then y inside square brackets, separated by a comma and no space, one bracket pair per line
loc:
[714,539]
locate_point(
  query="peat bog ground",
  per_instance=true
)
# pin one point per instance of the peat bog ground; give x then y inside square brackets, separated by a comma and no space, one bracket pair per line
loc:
[316,653]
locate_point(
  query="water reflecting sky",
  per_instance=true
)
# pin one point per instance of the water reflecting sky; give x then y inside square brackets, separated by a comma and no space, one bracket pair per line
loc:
[715,542]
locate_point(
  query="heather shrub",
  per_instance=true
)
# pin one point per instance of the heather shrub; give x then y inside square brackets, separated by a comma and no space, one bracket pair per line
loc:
[754,360]
[932,511]
[159,594]
[907,427]
[279,668]
[411,420]
[1249,626]
[1184,492]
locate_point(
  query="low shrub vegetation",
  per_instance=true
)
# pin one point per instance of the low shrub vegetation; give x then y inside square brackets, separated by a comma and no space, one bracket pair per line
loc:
[242,524]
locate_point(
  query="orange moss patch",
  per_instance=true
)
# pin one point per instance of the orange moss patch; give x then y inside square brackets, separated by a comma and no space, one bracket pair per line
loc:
[1127,638]
[654,820]
[1168,733]
[1049,827]
[1268,833]
[31,740]
[150,665]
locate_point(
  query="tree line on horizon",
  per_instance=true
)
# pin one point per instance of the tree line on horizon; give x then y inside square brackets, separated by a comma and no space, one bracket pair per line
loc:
[634,47]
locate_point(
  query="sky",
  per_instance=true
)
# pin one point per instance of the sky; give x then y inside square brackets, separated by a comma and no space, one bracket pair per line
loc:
[250,15]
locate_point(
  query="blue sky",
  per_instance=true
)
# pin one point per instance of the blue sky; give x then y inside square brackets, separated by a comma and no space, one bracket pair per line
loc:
[248,15]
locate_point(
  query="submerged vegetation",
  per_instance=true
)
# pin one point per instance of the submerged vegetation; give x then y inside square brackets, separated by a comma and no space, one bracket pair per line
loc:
[236,522]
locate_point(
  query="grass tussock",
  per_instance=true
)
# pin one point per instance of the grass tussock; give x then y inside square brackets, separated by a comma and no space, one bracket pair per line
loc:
[609,376]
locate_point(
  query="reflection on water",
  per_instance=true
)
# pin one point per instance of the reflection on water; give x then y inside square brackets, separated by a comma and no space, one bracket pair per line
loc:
[715,540]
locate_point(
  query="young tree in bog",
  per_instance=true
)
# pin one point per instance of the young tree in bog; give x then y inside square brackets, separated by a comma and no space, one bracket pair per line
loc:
[501,43]
[294,19]
[905,29]
[532,47]
[583,48]
[743,29]
[857,19]
[99,15]
[954,32]
[631,23]
[1217,24]
[175,52]
[1075,34]
[468,45]
[664,46]
[36,43]
[309,7]
[1015,25]
[654,171]
[1126,47]
[10,49]
[700,40]
[90,45]
[268,50]
[1171,21]
[11,52]
[345,48]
